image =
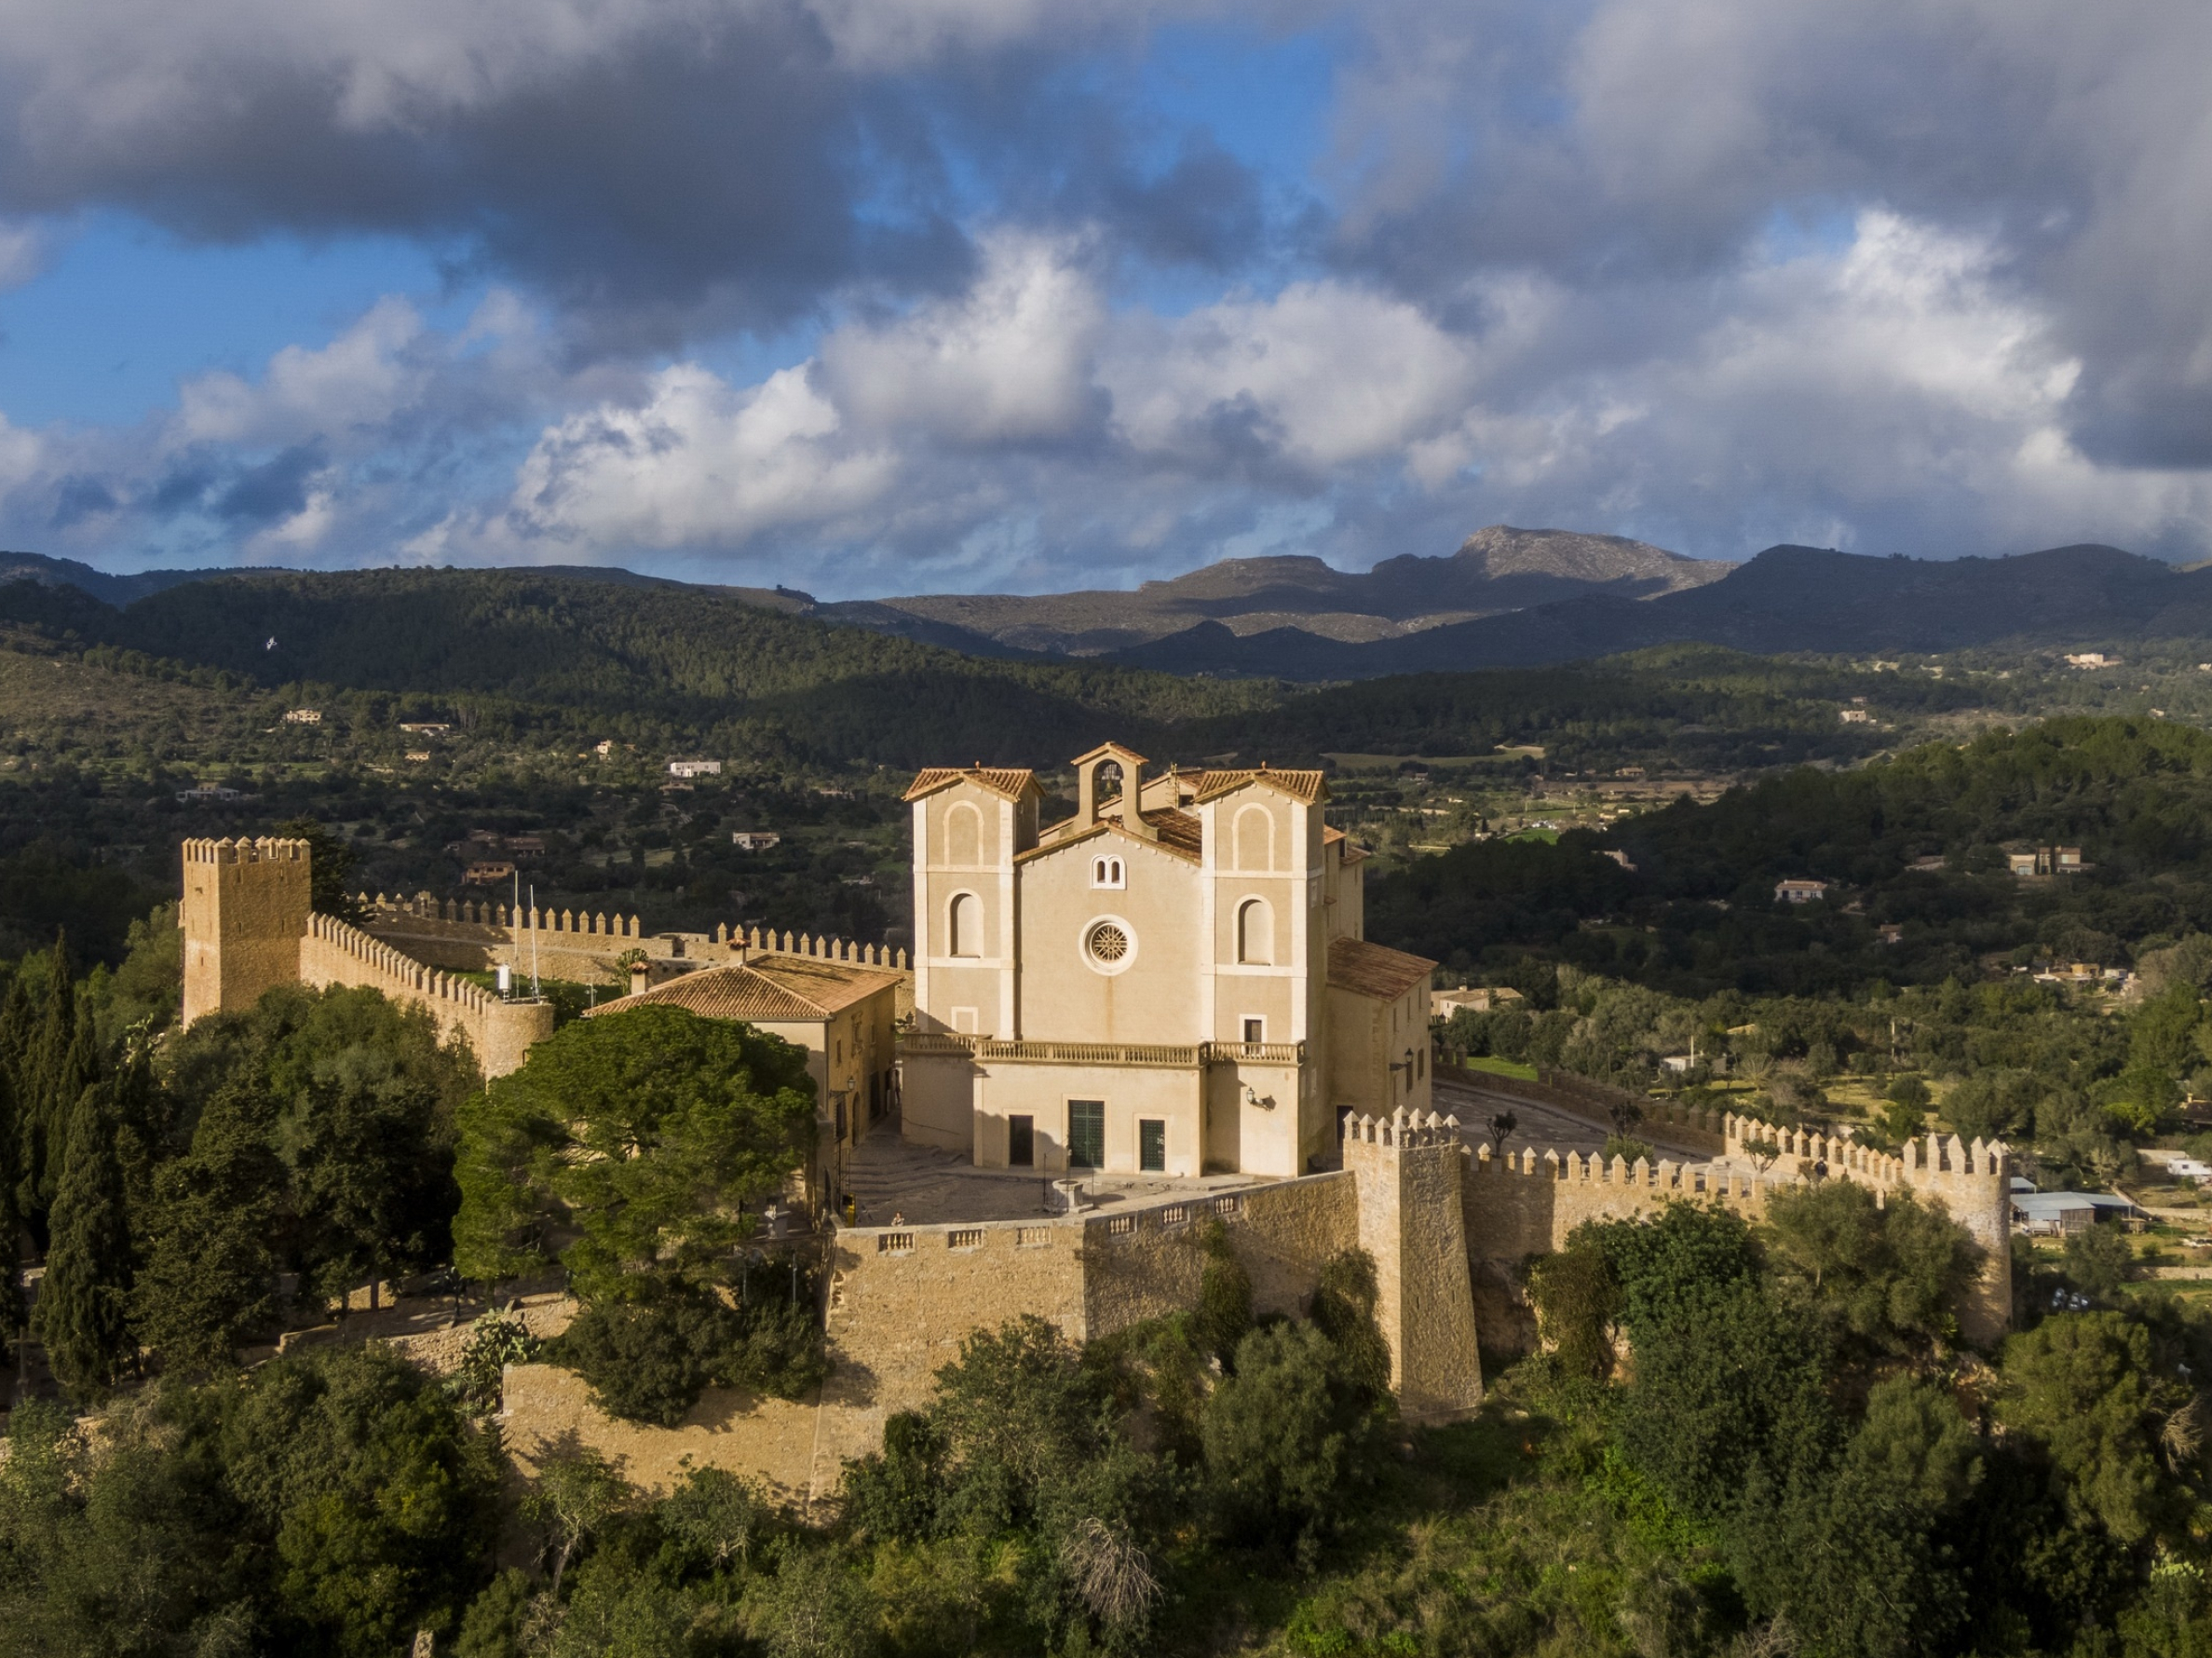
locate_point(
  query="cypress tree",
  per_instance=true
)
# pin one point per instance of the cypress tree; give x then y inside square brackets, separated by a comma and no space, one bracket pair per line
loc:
[208,1277]
[83,1316]
[64,1063]
[19,1034]
[11,1225]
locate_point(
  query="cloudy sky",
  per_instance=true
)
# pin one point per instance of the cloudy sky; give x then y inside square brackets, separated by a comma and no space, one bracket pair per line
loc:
[900,295]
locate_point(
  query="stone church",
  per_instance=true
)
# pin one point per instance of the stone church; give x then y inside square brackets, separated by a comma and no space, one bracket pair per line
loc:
[1173,980]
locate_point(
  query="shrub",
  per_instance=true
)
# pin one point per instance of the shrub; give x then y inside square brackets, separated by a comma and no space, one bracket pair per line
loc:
[494,1343]
[1276,1440]
[648,1361]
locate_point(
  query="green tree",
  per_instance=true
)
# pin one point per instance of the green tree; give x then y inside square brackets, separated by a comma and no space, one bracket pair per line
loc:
[120,1550]
[208,1277]
[83,1316]
[2082,1387]
[720,1516]
[147,988]
[2098,1262]
[1862,1561]
[1224,1296]
[1278,1441]
[649,1357]
[1344,1303]
[1905,1117]
[378,1500]
[1885,1275]
[329,868]
[61,1062]
[1019,1417]
[1575,1300]
[577,1494]
[649,1132]
[818,1605]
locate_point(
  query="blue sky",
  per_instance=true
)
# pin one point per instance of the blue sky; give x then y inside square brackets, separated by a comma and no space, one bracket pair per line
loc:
[868,296]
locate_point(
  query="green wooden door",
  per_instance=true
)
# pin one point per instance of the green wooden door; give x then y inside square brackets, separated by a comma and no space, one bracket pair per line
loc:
[1086,1134]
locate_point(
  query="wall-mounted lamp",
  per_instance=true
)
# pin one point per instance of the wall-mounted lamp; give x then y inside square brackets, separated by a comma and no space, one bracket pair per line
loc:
[1266,1102]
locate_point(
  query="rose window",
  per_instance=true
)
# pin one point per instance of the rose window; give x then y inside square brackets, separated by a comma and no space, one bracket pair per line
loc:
[1108,943]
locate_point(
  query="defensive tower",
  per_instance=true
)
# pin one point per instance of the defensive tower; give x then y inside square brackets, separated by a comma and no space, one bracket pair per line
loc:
[1407,1169]
[246,905]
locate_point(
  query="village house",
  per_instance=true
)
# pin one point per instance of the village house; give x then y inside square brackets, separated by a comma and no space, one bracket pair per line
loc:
[1474,998]
[2029,862]
[754,840]
[695,769]
[303,716]
[1796,892]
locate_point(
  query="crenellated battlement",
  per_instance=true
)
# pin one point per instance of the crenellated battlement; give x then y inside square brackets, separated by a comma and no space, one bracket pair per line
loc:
[475,937]
[498,1032]
[1528,1203]
[266,849]
[1402,1130]
[412,975]
[1665,1177]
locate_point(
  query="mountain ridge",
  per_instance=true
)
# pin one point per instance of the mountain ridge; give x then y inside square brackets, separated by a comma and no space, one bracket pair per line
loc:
[1496,570]
[1788,598]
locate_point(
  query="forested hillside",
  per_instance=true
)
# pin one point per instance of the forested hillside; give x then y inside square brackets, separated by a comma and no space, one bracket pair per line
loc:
[1697,910]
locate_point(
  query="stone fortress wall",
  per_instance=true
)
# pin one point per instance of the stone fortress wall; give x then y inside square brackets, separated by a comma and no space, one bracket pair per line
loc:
[1437,1217]
[585,948]
[500,1033]
[250,925]
[1523,1204]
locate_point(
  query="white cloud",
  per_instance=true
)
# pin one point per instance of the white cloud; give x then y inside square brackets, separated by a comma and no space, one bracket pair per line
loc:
[1331,375]
[697,464]
[1896,394]
[369,374]
[24,249]
[1007,361]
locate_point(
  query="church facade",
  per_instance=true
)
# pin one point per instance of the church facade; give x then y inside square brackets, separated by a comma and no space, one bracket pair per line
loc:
[1171,981]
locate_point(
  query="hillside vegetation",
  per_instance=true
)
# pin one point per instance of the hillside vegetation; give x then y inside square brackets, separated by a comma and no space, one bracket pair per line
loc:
[1697,911]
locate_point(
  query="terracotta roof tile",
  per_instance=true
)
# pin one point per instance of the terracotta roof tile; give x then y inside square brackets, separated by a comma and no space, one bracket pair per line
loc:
[1179,832]
[1374,969]
[766,988]
[1009,781]
[1307,786]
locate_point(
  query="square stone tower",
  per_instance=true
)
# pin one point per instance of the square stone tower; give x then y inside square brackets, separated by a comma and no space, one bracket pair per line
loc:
[1408,1169]
[245,911]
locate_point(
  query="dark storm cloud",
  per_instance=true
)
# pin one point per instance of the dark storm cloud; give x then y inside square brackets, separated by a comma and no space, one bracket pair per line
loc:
[704,169]
[1624,146]
[1911,275]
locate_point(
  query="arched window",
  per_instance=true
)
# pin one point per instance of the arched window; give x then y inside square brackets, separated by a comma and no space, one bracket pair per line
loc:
[1255,837]
[1107,872]
[964,933]
[1256,932]
[963,834]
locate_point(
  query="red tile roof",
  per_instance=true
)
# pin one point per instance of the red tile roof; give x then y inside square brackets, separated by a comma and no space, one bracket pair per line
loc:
[1374,969]
[1307,786]
[1008,780]
[800,987]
